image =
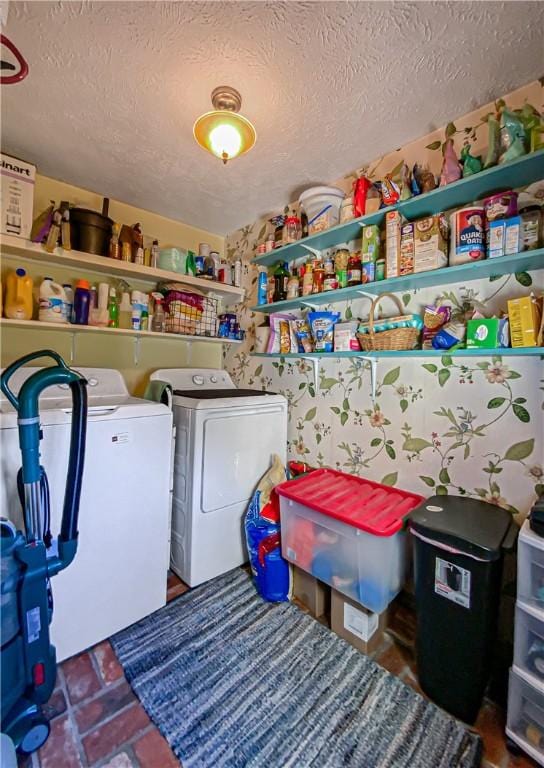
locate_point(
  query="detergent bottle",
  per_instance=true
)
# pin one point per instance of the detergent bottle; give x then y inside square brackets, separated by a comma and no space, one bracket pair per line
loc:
[18,304]
[52,302]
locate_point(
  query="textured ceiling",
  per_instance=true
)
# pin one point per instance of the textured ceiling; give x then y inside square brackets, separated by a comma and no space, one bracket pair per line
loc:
[114,89]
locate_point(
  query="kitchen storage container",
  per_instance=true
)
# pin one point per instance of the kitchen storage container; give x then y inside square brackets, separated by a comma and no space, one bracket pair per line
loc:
[347,532]
[90,231]
[525,721]
[322,207]
[459,545]
[531,567]
[394,338]
[173,260]
[529,641]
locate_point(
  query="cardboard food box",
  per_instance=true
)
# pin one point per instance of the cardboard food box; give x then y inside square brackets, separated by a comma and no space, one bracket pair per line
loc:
[488,333]
[345,336]
[430,243]
[359,626]
[370,243]
[393,224]
[17,195]
[406,262]
[513,235]
[525,316]
[496,231]
[312,593]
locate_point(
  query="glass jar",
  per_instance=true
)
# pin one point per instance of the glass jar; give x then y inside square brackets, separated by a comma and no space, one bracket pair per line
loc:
[307,280]
[330,282]
[354,269]
[318,276]
[292,230]
[531,227]
[292,287]
[341,258]
[346,210]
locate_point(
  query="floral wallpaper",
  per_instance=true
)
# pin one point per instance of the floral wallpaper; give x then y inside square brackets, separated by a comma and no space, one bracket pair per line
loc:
[445,425]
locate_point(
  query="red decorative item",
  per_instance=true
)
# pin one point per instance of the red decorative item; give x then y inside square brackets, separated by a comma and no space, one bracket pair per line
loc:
[23,66]
[360,191]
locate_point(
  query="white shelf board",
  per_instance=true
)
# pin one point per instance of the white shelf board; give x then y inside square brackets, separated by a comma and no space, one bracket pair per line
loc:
[28,251]
[72,328]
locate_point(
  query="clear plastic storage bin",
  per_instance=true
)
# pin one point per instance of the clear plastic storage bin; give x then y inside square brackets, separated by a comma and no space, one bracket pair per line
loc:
[529,641]
[348,532]
[525,724]
[530,567]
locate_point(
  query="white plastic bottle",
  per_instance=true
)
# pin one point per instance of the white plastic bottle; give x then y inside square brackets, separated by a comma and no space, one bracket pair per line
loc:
[52,302]
[136,311]
[69,291]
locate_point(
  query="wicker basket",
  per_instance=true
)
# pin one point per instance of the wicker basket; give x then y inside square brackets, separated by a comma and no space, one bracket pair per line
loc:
[396,338]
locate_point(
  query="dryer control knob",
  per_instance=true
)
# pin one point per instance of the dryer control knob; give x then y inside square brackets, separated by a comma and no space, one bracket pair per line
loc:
[213,379]
[199,380]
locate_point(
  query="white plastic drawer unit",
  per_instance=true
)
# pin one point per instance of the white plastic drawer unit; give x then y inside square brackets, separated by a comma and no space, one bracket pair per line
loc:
[525,723]
[347,532]
[530,567]
[529,641]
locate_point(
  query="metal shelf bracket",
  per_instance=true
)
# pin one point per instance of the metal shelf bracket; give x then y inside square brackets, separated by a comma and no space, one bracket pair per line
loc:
[373,373]
[314,251]
[72,347]
[136,350]
[315,365]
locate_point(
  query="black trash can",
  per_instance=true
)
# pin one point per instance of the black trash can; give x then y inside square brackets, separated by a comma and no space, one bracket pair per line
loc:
[458,552]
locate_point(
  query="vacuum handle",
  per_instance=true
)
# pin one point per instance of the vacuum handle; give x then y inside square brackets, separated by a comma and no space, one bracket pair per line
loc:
[74,477]
[10,370]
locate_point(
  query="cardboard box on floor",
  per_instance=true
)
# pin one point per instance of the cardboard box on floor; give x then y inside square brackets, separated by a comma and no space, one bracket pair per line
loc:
[313,594]
[359,626]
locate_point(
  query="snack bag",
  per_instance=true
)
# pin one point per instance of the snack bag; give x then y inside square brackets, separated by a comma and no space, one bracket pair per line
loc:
[303,335]
[280,334]
[433,320]
[262,526]
[322,327]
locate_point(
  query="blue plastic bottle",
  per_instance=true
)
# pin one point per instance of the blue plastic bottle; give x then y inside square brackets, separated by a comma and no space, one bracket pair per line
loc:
[82,302]
[262,286]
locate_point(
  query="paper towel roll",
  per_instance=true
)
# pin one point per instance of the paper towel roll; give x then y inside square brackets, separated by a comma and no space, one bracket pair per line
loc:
[103,295]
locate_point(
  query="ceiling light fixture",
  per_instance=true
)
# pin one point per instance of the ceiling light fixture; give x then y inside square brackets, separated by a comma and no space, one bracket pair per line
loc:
[224,132]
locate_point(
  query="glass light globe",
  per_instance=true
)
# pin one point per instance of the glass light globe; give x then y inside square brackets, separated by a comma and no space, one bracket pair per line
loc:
[225,140]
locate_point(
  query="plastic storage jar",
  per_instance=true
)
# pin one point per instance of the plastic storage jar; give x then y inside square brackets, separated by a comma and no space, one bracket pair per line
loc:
[322,207]
[173,260]
[348,532]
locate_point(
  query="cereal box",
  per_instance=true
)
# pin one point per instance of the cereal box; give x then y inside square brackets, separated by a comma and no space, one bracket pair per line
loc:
[430,243]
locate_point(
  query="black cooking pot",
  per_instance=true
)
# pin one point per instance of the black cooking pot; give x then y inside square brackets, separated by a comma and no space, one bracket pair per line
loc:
[91,231]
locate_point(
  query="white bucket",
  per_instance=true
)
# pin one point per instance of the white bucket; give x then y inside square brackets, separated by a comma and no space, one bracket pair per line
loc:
[322,207]
[53,302]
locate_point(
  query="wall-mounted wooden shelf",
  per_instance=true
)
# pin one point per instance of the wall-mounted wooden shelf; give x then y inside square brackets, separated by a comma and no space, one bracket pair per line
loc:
[517,173]
[89,263]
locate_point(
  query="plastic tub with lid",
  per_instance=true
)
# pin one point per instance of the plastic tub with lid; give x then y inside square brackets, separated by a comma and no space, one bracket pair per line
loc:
[348,532]
[322,207]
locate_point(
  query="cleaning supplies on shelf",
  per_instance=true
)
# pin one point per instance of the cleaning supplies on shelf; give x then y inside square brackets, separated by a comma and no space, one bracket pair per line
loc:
[82,303]
[113,309]
[18,304]
[69,304]
[52,302]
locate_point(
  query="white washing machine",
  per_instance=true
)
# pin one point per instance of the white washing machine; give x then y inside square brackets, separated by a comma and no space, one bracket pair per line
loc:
[225,439]
[120,570]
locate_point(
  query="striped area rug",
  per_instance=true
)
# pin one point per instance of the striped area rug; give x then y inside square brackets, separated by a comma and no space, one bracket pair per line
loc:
[234,682]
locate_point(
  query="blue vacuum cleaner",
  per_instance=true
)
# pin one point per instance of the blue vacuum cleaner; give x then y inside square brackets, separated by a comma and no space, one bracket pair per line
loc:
[31,557]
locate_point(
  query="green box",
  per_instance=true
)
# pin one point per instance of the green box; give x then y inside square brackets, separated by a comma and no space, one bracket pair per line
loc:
[488,333]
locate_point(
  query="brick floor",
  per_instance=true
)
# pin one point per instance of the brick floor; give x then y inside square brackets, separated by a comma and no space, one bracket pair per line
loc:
[97,722]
